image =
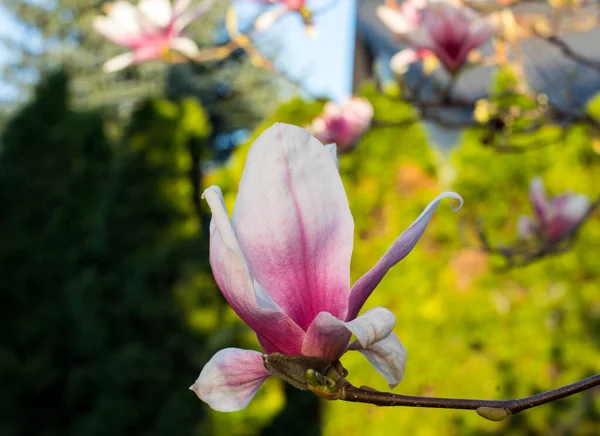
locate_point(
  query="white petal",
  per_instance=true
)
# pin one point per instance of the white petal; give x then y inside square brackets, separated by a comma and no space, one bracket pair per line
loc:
[268,18]
[185,46]
[576,207]
[119,62]
[388,357]
[229,380]
[111,30]
[525,227]
[158,11]
[126,15]
[332,148]
[183,16]
[401,61]
[393,19]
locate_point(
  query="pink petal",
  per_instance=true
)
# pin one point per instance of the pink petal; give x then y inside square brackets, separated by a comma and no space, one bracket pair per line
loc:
[294,225]
[398,251]
[229,380]
[387,356]
[276,330]
[328,336]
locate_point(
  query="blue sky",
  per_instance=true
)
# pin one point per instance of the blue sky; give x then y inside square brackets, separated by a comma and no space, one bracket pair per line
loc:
[323,64]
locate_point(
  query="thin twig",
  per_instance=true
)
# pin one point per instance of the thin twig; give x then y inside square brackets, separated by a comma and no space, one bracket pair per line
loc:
[569,52]
[494,410]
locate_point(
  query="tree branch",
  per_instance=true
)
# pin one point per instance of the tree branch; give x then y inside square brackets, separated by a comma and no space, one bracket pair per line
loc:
[494,410]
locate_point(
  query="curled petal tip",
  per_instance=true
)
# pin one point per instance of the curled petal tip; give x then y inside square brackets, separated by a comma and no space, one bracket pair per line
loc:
[456,196]
[211,189]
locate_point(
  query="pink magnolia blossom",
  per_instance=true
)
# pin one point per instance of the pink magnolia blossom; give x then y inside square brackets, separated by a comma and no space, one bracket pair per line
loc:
[447,30]
[343,124]
[150,31]
[283,265]
[556,217]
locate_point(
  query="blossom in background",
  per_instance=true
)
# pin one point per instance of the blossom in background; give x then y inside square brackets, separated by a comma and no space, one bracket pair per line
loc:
[447,30]
[555,217]
[268,18]
[283,265]
[343,124]
[151,31]
[401,18]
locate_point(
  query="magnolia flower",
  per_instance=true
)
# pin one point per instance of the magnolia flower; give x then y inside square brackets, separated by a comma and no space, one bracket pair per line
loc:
[446,30]
[555,217]
[150,31]
[268,18]
[403,18]
[283,264]
[343,124]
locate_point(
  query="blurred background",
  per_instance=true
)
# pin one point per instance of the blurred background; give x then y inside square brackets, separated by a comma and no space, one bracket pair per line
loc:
[108,306]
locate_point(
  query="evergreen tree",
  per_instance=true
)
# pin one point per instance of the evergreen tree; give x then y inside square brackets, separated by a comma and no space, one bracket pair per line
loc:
[98,243]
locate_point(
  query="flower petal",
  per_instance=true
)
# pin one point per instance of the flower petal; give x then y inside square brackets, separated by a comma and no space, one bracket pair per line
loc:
[112,31]
[525,227]
[537,194]
[265,20]
[229,380]
[401,20]
[401,60]
[157,11]
[332,148]
[125,15]
[183,16]
[387,356]
[328,337]
[119,62]
[294,225]
[276,330]
[398,251]
[185,46]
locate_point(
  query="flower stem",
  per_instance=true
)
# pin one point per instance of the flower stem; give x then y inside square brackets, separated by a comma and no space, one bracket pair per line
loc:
[494,410]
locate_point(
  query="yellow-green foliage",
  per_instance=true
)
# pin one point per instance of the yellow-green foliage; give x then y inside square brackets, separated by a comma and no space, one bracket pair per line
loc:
[470,330]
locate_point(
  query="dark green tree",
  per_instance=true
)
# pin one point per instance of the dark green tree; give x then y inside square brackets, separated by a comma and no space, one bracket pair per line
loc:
[97,244]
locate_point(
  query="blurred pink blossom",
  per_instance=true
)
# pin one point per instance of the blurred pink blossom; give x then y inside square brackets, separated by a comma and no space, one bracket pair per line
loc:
[555,217]
[150,30]
[268,18]
[283,265]
[445,29]
[343,124]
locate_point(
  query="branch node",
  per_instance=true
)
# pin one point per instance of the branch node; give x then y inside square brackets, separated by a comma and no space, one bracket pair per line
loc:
[493,413]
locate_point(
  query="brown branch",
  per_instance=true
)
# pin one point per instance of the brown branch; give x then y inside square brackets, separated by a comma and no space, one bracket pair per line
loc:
[494,410]
[569,52]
